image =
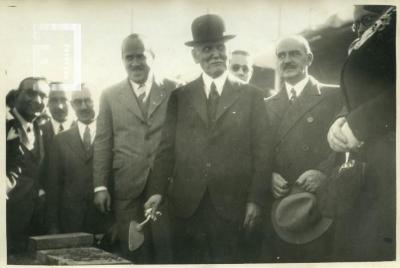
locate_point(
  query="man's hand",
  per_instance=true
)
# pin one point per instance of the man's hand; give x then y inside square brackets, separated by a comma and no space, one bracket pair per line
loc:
[280,186]
[336,138]
[352,142]
[311,180]
[152,204]
[102,200]
[253,211]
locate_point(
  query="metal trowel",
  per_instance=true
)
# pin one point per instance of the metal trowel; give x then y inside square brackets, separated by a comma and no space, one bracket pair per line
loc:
[136,235]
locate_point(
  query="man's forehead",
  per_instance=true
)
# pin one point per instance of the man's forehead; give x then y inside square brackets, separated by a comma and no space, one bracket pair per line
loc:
[40,86]
[210,44]
[134,46]
[239,58]
[81,94]
[290,44]
[57,94]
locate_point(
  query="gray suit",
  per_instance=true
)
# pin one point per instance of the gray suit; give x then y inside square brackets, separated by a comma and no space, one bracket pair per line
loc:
[124,150]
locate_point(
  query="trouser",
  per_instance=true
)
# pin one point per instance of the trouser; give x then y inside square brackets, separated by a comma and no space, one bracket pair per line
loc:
[205,237]
[18,219]
[132,210]
[318,250]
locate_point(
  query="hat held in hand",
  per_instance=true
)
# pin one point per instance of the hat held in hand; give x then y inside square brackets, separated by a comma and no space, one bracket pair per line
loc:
[208,28]
[296,218]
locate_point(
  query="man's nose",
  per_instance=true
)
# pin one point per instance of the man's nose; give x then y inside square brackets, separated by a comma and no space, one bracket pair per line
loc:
[38,99]
[215,53]
[61,105]
[287,58]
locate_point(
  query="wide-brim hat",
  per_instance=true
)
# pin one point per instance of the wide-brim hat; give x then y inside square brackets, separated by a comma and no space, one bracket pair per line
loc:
[296,218]
[208,28]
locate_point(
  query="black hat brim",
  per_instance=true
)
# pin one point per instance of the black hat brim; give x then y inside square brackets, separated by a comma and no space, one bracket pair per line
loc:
[197,42]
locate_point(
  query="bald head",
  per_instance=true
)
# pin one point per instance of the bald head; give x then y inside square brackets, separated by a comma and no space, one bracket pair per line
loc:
[83,105]
[138,57]
[294,56]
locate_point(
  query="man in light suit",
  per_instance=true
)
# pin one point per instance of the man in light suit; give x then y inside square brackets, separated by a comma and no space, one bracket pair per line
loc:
[131,115]
[215,146]
[70,186]
[301,114]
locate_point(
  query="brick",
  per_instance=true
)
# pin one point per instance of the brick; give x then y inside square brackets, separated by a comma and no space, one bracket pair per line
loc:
[78,256]
[60,241]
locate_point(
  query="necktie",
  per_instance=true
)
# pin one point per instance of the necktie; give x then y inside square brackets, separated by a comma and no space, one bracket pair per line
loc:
[142,99]
[60,128]
[293,95]
[86,139]
[141,93]
[28,138]
[212,103]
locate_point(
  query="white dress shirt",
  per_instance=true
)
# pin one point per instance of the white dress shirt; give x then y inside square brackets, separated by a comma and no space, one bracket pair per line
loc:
[92,129]
[27,128]
[219,83]
[56,125]
[299,87]
[147,87]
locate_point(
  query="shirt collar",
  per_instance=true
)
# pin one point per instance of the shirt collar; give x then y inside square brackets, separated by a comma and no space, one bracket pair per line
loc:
[219,82]
[147,85]
[56,125]
[25,124]
[82,127]
[299,87]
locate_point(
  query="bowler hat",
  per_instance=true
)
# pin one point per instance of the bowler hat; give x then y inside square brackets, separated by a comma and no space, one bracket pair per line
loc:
[208,28]
[296,218]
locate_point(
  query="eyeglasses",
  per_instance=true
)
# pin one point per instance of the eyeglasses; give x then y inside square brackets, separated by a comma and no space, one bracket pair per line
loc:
[366,21]
[236,67]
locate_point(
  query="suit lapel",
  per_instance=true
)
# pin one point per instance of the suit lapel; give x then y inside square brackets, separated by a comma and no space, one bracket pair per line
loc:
[75,143]
[157,96]
[127,98]
[278,104]
[230,94]
[310,97]
[198,99]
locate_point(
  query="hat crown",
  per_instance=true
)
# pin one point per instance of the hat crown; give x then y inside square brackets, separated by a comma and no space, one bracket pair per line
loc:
[208,28]
[297,212]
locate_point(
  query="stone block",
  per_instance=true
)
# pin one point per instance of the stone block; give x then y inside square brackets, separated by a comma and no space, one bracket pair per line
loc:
[60,241]
[78,256]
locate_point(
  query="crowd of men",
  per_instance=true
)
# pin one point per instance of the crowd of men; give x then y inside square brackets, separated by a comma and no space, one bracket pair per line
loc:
[307,175]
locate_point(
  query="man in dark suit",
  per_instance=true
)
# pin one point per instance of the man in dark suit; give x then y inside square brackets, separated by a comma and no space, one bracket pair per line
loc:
[24,154]
[366,224]
[215,148]
[131,115]
[59,121]
[301,114]
[70,186]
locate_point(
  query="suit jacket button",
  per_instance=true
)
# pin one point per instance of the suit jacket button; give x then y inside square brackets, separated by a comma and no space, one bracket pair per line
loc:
[208,165]
[310,119]
[306,148]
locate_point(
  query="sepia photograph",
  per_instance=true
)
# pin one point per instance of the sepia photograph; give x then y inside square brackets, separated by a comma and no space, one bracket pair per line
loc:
[172,132]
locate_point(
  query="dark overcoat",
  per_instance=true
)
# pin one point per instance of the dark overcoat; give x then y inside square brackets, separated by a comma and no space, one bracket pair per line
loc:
[229,157]
[366,230]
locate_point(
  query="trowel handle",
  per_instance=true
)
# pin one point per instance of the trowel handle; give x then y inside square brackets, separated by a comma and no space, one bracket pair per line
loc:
[140,226]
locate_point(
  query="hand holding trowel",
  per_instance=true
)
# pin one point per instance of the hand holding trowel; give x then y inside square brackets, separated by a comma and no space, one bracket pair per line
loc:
[136,235]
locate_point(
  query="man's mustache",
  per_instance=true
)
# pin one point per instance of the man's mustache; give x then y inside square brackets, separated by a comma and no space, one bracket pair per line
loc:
[137,68]
[289,65]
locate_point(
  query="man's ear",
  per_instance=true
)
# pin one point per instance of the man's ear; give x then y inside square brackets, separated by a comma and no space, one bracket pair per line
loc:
[195,55]
[310,58]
